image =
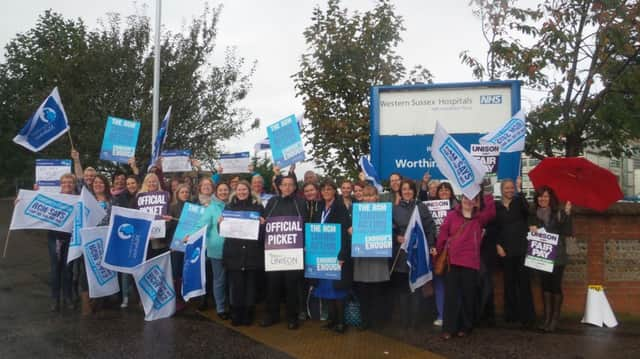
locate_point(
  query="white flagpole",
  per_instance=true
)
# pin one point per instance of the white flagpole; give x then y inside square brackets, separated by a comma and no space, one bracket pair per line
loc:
[156,77]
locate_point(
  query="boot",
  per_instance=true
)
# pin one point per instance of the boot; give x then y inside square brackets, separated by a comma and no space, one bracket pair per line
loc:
[557,305]
[250,315]
[548,307]
[237,315]
[85,304]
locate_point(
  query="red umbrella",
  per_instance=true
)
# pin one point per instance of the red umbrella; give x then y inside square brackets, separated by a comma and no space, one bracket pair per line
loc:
[578,180]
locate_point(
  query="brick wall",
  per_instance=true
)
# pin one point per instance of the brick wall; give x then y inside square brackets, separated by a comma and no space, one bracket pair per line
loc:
[605,250]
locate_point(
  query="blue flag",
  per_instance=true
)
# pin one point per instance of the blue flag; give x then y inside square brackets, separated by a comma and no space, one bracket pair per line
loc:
[160,138]
[417,249]
[127,240]
[193,271]
[43,127]
[370,172]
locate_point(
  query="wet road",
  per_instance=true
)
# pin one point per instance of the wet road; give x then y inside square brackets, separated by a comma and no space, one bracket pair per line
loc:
[29,330]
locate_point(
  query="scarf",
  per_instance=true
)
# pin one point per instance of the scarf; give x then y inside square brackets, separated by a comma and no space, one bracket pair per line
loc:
[204,199]
[544,214]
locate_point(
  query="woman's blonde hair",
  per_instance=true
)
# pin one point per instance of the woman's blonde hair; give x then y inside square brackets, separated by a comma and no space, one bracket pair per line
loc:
[145,182]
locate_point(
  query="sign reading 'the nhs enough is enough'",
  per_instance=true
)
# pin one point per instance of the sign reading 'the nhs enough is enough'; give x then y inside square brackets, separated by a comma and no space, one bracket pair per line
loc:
[403,120]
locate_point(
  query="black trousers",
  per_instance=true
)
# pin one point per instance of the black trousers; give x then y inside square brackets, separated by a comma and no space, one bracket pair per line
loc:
[276,282]
[409,304]
[552,282]
[242,287]
[459,299]
[371,298]
[518,300]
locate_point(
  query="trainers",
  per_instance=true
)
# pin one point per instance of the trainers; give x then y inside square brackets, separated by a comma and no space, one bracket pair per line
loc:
[125,302]
[437,322]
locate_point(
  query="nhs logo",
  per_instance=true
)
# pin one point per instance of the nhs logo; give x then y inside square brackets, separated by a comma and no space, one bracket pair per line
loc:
[490,99]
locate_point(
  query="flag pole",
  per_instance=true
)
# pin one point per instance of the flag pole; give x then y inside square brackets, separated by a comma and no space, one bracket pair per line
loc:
[156,77]
[395,261]
[73,147]
[6,243]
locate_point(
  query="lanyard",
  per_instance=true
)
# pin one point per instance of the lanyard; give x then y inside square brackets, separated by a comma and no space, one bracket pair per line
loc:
[325,214]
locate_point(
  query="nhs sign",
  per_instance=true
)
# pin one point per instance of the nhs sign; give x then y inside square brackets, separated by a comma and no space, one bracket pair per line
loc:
[403,119]
[491,99]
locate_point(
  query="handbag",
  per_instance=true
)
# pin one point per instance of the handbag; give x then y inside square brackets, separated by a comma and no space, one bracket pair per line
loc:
[352,316]
[442,260]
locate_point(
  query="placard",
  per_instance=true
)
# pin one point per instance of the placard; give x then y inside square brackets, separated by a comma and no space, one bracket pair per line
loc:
[542,250]
[240,224]
[322,245]
[189,218]
[438,209]
[235,162]
[283,244]
[176,161]
[286,143]
[120,140]
[372,230]
[156,203]
[487,154]
[48,173]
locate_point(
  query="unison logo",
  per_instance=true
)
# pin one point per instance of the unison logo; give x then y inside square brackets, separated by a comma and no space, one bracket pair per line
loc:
[490,99]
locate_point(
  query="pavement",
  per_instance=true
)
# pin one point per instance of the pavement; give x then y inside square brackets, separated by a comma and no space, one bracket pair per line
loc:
[29,330]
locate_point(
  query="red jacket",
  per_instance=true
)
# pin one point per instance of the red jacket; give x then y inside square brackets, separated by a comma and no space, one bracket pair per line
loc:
[464,249]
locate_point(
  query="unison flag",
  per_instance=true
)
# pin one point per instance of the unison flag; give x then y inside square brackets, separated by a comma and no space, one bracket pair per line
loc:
[154,281]
[509,136]
[38,210]
[126,244]
[417,249]
[88,214]
[43,127]
[194,274]
[456,163]
[161,137]
[102,282]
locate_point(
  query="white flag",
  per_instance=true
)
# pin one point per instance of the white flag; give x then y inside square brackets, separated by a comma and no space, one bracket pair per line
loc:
[510,136]
[102,282]
[194,275]
[43,127]
[88,214]
[155,286]
[126,245]
[43,210]
[456,163]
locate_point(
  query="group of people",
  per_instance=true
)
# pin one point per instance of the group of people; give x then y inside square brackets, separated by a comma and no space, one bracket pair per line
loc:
[476,233]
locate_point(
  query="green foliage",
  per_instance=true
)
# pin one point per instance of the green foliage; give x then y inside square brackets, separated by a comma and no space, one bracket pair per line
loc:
[347,54]
[109,71]
[584,55]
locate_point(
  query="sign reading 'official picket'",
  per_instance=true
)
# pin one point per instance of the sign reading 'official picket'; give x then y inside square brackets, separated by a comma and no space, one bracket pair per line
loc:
[283,244]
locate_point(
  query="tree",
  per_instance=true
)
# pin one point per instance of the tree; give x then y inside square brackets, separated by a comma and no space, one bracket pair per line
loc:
[109,71]
[584,55]
[348,53]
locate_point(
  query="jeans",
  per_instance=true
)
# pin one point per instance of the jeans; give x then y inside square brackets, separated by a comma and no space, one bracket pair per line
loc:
[60,275]
[438,289]
[219,284]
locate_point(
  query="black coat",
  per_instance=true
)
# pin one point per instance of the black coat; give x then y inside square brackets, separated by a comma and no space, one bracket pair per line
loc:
[559,223]
[511,226]
[340,215]
[244,254]
[401,215]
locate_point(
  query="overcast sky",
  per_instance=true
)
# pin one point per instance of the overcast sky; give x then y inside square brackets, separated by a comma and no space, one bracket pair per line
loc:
[270,32]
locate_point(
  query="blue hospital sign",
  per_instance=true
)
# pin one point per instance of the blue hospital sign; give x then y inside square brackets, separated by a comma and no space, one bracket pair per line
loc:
[403,120]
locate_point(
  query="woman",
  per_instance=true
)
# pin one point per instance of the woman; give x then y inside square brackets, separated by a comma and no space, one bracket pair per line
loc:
[335,291]
[61,273]
[223,191]
[346,189]
[461,232]
[205,191]
[210,218]
[549,216]
[310,191]
[127,199]
[444,192]
[512,213]
[102,193]
[395,180]
[370,276]
[409,302]
[243,259]
[159,207]
[358,189]
[180,197]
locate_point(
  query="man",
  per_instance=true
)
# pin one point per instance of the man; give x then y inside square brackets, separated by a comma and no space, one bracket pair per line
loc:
[287,204]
